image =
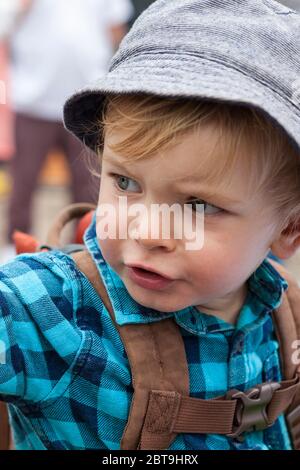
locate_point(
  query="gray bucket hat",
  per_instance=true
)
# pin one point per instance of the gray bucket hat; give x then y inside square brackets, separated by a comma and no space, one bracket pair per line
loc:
[237,51]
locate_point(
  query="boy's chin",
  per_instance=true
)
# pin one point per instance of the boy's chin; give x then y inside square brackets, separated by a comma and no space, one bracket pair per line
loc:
[157,306]
[155,300]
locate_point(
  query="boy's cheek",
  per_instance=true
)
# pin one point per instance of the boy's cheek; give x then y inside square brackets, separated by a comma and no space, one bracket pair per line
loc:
[107,247]
[112,254]
[214,264]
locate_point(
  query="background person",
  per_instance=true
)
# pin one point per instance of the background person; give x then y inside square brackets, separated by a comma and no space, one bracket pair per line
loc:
[58,46]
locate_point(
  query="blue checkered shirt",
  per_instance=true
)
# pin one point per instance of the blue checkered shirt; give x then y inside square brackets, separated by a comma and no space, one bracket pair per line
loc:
[64,370]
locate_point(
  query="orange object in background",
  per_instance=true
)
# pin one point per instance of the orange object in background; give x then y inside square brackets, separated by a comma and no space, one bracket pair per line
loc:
[55,170]
[26,243]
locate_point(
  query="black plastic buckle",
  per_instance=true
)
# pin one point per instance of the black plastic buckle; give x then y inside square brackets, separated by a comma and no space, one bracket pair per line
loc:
[251,409]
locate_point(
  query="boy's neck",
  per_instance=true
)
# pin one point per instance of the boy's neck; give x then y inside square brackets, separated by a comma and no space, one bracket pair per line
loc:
[227,308]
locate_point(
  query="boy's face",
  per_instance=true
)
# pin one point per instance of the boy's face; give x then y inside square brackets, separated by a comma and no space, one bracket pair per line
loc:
[237,235]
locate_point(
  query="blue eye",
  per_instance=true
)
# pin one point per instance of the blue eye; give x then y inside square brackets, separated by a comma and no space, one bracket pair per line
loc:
[213,209]
[123,183]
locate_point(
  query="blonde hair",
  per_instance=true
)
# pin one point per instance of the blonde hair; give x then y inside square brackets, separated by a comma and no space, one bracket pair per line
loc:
[152,124]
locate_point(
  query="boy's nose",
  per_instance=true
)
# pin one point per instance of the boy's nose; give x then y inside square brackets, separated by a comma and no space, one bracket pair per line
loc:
[142,234]
[157,243]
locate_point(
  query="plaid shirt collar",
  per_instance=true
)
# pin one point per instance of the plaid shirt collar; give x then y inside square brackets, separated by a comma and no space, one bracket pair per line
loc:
[265,290]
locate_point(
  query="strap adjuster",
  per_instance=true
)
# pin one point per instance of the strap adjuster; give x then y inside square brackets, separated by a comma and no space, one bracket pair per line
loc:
[251,409]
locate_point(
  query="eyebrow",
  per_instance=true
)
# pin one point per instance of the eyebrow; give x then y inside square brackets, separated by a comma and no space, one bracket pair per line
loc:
[221,198]
[121,167]
[207,193]
[203,193]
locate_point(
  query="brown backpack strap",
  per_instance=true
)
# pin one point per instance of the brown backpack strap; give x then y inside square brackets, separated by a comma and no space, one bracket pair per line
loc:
[161,407]
[4,428]
[287,325]
[157,359]
[231,415]
[69,213]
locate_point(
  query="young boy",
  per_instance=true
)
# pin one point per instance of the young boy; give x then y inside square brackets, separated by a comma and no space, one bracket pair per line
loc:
[200,107]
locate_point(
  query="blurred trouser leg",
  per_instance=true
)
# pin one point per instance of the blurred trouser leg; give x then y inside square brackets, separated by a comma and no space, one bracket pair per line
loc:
[85,186]
[33,140]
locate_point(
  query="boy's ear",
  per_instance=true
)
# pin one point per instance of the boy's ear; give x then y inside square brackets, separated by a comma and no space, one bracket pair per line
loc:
[287,242]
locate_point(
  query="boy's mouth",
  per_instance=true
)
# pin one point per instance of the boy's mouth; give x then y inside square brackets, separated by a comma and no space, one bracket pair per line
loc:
[147,269]
[148,279]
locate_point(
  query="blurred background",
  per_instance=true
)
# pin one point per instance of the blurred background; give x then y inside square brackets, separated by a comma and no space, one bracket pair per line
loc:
[48,49]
